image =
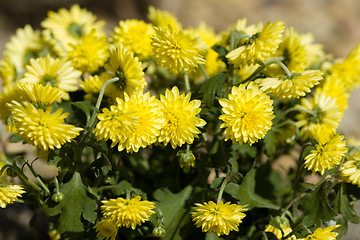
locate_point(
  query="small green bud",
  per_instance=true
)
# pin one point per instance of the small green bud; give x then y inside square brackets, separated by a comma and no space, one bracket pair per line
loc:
[186,158]
[58,197]
[159,232]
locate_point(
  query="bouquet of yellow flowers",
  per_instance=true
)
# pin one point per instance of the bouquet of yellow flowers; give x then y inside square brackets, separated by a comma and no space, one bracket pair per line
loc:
[137,123]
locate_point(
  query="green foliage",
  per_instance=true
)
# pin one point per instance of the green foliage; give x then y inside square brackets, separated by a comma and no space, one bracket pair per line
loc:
[212,86]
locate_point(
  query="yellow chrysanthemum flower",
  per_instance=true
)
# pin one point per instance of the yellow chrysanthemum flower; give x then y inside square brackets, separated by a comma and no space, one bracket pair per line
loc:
[161,18]
[43,129]
[207,35]
[90,53]
[289,87]
[25,45]
[348,70]
[38,93]
[91,85]
[218,218]
[213,65]
[128,212]
[136,36]
[315,53]
[329,151]
[8,72]
[323,234]
[106,229]
[334,88]
[127,68]
[54,72]
[176,50]
[6,96]
[180,118]
[350,170]
[259,46]
[9,194]
[294,52]
[247,114]
[133,123]
[285,227]
[320,110]
[69,26]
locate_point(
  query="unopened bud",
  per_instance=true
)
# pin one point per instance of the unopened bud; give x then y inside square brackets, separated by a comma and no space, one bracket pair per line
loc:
[159,232]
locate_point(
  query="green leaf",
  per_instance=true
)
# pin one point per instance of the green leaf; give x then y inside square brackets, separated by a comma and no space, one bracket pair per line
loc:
[342,204]
[222,51]
[211,86]
[212,236]
[317,207]
[86,107]
[16,138]
[76,203]
[173,209]
[123,186]
[245,192]
[245,148]
[216,182]
[270,144]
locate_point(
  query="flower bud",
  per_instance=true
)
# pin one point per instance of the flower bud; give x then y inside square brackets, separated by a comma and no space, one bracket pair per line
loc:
[57,197]
[159,232]
[186,158]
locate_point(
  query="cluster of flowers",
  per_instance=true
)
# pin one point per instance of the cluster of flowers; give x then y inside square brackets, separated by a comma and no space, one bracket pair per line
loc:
[40,69]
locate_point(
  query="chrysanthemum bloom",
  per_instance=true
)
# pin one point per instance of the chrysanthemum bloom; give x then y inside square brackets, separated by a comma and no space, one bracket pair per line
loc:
[350,170]
[90,53]
[180,118]
[9,194]
[106,229]
[323,234]
[91,85]
[285,227]
[43,129]
[176,50]
[334,88]
[69,26]
[294,52]
[133,123]
[161,18]
[330,149]
[8,72]
[54,72]
[135,35]
[259,46]
[127,68]
[38,93]
[289,87]
[348,70]
[247,114]
[24,45]
[128,212]
[218,218]
[320,110]
[7,95]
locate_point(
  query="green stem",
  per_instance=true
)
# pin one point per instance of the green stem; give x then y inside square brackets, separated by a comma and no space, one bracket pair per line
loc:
[286,70]
[222,188]
[187,82]
[203,71]
[21,176]
[47,192]
[298,109]
[57,189]
[262,67]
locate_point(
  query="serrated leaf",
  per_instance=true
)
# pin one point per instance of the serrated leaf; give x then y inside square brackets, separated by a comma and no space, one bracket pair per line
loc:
[15,138]
[122,187]
[86,107]
[222,51]
[245,193]
[342,204]
[173,209]
[245,148]
[211,87]
[317,207]
[76,203]
[270,144]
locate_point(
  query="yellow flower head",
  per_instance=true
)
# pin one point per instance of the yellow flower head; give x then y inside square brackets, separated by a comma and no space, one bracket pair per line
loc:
[334,88]
[8,72]
[218,218]
[69,26]
[213,64]
[38,93]
[350,170]
[180,118]
[259,46]
[54,72]
[289,87]
[247,114]
[127,68]
[43,129]
[106,229]
[6,96]
[207,35]
[24,45]
[128,213]
[91,85]
[133,123]
[136,36]
[320,110]
[160,18]
[323,234]
[285,227]
[90,53]
[329,151]
[9,194]
[176,50]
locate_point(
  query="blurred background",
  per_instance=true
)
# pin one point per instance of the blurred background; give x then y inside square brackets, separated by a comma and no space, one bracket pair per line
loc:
[334,23]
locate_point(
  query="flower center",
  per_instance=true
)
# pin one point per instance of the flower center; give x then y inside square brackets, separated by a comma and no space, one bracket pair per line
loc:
[252,38]
[76,30]
[48,80]
[317,116]
[121,83]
